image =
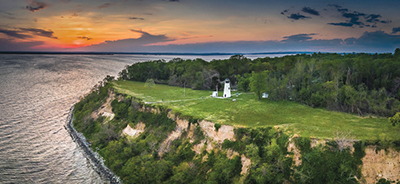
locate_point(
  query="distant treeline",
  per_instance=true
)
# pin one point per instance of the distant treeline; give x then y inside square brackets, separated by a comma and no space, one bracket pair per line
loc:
[357,83]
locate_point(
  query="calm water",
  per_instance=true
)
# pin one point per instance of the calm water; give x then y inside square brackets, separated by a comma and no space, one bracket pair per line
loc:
[36,92]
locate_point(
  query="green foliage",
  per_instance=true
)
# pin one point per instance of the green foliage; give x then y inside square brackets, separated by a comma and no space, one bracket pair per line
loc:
[395,120]
[198,135]
[258,83]
[149,83]
[384,181]
[327,164]
[303,143]
[217,126]
[244,82]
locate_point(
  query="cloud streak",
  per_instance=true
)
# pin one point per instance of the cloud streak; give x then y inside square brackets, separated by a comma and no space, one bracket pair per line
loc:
[21,33]
[40,32]
[14,33]
[35,6]
[105,5]
[298,37]
[131,44]
[136,18]
[310,11]
[297,16]
[85,38]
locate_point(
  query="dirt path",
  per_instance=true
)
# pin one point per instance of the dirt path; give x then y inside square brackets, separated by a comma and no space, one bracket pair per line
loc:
[177,100]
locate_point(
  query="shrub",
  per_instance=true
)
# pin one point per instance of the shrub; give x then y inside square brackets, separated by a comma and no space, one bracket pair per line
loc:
[217,126]
[395,120]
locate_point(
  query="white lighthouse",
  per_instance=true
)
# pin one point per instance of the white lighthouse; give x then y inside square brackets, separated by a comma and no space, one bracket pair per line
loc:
[227,89]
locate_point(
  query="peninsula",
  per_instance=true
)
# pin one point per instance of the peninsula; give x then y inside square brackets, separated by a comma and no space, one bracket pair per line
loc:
[315,118]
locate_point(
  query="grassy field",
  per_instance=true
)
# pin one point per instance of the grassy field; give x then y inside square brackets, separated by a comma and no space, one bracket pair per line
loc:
[248,111]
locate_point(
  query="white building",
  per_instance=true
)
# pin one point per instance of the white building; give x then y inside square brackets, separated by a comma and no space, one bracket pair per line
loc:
[214,94]
[227,89]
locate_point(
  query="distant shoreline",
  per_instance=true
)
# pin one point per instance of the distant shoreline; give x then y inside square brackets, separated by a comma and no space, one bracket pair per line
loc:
[150,53]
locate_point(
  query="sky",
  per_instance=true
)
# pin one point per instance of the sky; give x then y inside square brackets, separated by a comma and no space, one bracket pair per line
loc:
[200,26]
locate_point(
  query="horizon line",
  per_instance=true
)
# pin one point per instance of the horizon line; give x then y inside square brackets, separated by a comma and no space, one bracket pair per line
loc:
[176,53]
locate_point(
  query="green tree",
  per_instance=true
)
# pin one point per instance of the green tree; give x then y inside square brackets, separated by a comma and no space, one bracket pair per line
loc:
[395,120]
[258,83]
[149,83]
[397,53]
[244,82]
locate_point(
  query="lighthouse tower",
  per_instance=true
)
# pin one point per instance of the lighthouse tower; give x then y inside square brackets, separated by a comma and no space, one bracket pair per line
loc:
[227,89]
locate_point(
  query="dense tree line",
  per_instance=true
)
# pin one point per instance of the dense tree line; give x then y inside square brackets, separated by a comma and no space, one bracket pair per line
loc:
[357,83]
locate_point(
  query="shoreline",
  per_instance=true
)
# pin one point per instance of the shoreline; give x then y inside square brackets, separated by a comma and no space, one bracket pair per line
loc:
[94,158]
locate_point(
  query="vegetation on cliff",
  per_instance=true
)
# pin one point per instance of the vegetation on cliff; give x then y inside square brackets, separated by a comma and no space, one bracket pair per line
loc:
[144,160]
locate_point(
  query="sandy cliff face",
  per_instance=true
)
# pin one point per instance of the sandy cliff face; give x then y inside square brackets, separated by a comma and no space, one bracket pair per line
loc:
[105,109]
[129,131]
[380,164]
[225,132]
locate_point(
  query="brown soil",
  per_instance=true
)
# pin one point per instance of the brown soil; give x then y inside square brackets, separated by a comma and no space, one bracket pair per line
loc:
[380,165]
[105,109]
[224,132]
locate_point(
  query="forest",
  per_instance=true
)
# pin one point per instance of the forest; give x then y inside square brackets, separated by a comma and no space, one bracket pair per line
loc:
[359,83]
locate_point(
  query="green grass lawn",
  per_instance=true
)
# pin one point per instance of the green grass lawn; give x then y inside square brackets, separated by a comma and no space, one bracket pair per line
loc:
[248,111]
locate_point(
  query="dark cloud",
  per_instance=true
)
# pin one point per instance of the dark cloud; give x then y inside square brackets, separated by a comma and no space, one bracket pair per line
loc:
[173,0]
[35,6]
[395,30]
[339,8]
[131,44]
[14,33]
[373,18]
[10,45]
[84,37]
[40,32]
[353,18]
[344,24]
[284,11]
[297,16]
[310,11]
[298,37]
[105,5]
[379,39]
[136,18]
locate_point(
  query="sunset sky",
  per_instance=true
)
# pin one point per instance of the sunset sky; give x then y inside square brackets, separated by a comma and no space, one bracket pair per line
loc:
[200,25]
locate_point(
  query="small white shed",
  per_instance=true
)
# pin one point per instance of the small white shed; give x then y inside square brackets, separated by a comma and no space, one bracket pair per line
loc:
[264,95]
[214,94]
